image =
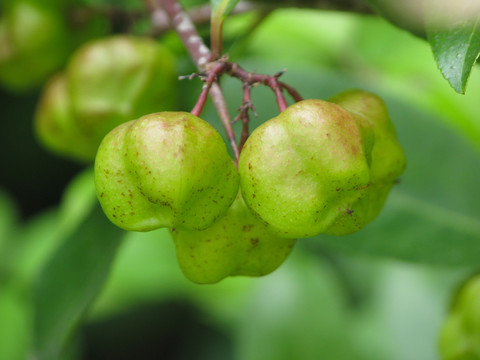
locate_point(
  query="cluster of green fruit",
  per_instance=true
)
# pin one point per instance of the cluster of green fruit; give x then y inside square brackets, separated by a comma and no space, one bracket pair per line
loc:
[106,83]
[460,337]
[318,167]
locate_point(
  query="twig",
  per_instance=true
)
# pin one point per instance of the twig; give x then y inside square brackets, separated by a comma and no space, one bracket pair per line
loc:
[247,105]
[268,80]
[209,80]
[293,93]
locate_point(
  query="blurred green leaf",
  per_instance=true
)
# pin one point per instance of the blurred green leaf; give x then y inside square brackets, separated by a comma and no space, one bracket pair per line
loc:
[402,309]
[146,270]
[14,324]
[71,280]
[276,325]
[78,200]
[451,28]
[28,247]
[35,240]
[382,58]
[8,219]
[412,300]
[455,41]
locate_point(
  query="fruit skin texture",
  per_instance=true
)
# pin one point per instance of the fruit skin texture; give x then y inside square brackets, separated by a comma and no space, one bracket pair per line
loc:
[34,42]
[237,244]
[459,338]
[168,169]
[107,82]
[318,168]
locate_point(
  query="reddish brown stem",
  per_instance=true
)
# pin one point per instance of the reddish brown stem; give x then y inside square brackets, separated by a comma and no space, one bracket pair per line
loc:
[210,79]
[293,93]
[277,89]
[202,98]
[246,106]
[268,80]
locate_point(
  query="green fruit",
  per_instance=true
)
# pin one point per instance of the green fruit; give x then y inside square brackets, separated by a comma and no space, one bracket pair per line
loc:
[237,244]
[34,42]
[168,169]
[387,159]
[318,168]
[56,127]
[116,79]
[303,169]
[135,77]
[460,335]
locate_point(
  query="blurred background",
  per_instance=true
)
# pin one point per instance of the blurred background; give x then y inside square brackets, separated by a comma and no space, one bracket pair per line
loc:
[382,293]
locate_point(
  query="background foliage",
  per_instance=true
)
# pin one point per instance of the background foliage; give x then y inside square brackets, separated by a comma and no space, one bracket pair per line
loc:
[382,293]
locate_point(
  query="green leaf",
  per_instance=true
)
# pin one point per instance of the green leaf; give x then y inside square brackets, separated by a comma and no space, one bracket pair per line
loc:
[455,41]
[222,8]
[70,282]
[15,323]
[8,219]
[297,312]
[33,243]
[78,200]
[451,28]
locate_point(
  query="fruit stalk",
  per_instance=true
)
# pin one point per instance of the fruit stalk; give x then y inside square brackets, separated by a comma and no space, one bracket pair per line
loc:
[291,91]
[210,79]
[243,115]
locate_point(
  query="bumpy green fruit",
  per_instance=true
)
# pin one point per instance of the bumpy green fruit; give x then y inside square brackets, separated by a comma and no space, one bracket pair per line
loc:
[117,79]
[303,169]
[168,169]
[237,244]
[460,336]
[387,158]
[135,77]
[55,124]
[318,168]
[34,42]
